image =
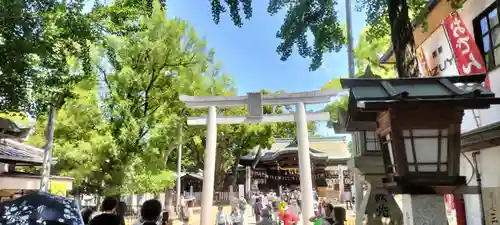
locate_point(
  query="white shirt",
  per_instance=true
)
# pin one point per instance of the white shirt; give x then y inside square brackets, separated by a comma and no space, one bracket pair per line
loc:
[221,218]
[264,201]
[236,217]
[253,199]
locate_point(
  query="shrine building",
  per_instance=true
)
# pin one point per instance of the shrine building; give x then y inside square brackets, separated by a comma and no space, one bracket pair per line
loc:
[277,168]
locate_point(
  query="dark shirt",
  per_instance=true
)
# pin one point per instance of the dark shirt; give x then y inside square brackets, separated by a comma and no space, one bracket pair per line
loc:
[106,219]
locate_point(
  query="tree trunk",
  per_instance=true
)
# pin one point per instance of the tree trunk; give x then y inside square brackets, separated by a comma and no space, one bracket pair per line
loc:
[234,170]
[257,158]
[169,194]
[403,41]
[47,150]
[219,172]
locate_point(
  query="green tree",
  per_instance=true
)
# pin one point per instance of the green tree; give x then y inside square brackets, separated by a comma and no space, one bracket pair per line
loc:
[366,55]
[147,71]
[83,144]
[44,43]
[44,51]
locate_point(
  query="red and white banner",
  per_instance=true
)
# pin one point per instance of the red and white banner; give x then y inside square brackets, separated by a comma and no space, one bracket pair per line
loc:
[449,199]
[468,58]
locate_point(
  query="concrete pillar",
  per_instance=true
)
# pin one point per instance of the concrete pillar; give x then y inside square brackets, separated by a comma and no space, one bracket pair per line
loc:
[304,162]
[341,184]
[179,167]
[207,196]
[231,192]
[191,192]
[424,210]
[358,190]
[248,181]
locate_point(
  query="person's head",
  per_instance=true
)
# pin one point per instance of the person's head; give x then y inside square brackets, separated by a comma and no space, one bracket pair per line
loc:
[220,208]
[266,213]
[339,214]
[121,208]
[164,216]
[109,204]
[328,209]
[235,209]
[151,210]
[257,200]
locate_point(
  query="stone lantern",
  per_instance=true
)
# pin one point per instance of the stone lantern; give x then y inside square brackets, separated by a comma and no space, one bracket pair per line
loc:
[418,127]
[368,163]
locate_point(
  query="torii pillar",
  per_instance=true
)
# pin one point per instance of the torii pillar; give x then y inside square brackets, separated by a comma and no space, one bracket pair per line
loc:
[255,101]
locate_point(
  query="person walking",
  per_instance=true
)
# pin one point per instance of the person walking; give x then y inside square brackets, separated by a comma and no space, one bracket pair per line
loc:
[327,218]
[221,217]
[236,218]
[348,199]
[257,209]
[242,206]
[267,218]
[121,209]
[339,215]
[108,215]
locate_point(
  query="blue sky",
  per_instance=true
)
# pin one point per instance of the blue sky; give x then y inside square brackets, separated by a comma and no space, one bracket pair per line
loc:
[249,53]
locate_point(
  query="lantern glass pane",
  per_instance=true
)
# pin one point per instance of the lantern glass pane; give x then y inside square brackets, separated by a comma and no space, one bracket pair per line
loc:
[427,168]
[426,150]
[422,149]
[409,150]
[444,150]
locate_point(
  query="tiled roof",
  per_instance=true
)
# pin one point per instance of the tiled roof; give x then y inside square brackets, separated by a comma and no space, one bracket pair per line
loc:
[384,92]
[11,129]
[13,151]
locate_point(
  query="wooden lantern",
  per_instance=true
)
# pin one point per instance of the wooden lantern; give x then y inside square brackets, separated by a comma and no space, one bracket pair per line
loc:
[418,125]
[421,145]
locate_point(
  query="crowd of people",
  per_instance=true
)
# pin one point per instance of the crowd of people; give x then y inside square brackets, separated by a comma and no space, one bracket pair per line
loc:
[270,209]
[113,213]
[266,208]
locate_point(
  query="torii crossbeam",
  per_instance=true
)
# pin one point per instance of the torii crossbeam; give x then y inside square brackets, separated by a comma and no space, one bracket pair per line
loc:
[254,102]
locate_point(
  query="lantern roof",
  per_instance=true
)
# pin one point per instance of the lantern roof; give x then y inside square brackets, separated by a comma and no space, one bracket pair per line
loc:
[368,96]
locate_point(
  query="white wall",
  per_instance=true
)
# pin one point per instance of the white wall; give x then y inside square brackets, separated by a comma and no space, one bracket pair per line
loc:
[471,9]
[476,118]
[489,170]
[488,160]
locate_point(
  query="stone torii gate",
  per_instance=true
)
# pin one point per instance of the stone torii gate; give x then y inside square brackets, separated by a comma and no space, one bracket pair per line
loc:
[254,102]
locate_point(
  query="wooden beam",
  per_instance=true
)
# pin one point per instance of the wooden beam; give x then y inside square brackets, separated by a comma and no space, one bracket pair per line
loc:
[312,116]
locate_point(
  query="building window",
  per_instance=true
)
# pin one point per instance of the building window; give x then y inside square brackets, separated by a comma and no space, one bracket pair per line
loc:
[371,141]
[487,33]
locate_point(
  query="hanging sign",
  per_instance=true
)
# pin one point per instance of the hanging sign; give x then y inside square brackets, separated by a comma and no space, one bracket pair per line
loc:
[467,55]
[58,188]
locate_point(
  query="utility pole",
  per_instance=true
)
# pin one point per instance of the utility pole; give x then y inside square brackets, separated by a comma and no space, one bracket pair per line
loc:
[358,192]
[350,44]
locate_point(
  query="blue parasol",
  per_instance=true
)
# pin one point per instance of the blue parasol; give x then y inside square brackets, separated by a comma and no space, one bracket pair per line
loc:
[40,208]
